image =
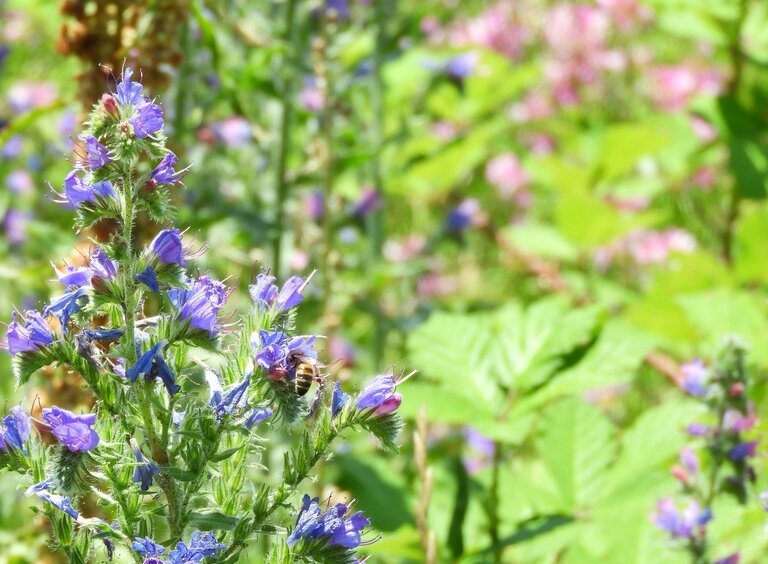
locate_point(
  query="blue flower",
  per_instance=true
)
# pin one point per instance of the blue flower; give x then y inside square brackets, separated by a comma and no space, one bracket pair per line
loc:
[695,377]
[332,525]
[65,306]
[166,248]
[235,398]
[467,214]
[74,277]
[272,351]
[148,119]
[201,545]
[128,92]
[338,400]
[102,266]
[369,201]
[144,469]
[42,490]
[15,430]
[377,392]
[97,155]
[265,294]
[743,451]
[33,334]
[147,547]
[149,279]
[258,415]
[102,334]
[78,191]
[164,172]
[200,303]
[461,66]
[307,522]
[680,524]
[73,431]
[152,364]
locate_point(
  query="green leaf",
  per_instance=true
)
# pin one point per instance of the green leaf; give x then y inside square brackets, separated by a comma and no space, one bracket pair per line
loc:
[178,473]
[540,240]
[722,312]
[218,457]
[612,360]
[577,445]
[652,440]
[749,163]
[213,521]
[625,144]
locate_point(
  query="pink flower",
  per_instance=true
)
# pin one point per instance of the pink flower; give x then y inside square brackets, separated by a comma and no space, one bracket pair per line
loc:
[675,86]
[704,130]
[626,13]
[24,96]
[506,174]
[405,249]
[649,247]
[233,131]
[494,29]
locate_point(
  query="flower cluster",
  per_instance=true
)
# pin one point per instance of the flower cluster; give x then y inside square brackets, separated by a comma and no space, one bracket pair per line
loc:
[724,389]
[154,439]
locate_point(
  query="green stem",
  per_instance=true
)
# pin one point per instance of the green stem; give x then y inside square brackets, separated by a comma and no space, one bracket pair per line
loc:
[493,502]
[284,146]
[328,173]
[376,220]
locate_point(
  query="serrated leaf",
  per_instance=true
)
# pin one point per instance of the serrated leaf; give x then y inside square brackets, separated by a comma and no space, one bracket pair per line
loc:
[613,360]
[652,441]
[577,445]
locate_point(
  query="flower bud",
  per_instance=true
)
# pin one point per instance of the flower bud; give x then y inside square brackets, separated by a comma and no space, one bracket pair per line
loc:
[736,389]
[110,104]
[390,405]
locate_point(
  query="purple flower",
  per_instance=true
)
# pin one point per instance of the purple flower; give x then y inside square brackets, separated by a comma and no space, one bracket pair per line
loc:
[377,393]
[73,431]
[690,461]
[313,205]
[461,66]
[15,430]
[258,415]
[695,377]
[312,523]
[235,398]
[19,182]
[42,490]
[144,469]
[102,266]
[273,350]
[698,430]
[102,334]
[77,191]
[743,451]
[97,155]
[65,306]
[200,303]
[338,400]
[370,200]
[33,334]
[128,92]
[164,173]
[15,225]
[80,276]
[265,294]
[167,248]
[148,119]
[680,525]
[731,559]
[201,545]
[147,547]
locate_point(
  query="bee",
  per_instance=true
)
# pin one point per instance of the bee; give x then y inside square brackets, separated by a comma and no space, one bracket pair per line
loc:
[305,370]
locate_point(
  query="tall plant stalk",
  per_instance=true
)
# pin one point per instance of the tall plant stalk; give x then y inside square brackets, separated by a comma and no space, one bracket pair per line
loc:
[282,187]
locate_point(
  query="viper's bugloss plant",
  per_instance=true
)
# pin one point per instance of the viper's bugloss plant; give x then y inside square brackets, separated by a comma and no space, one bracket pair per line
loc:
[718,462]
[170,450]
